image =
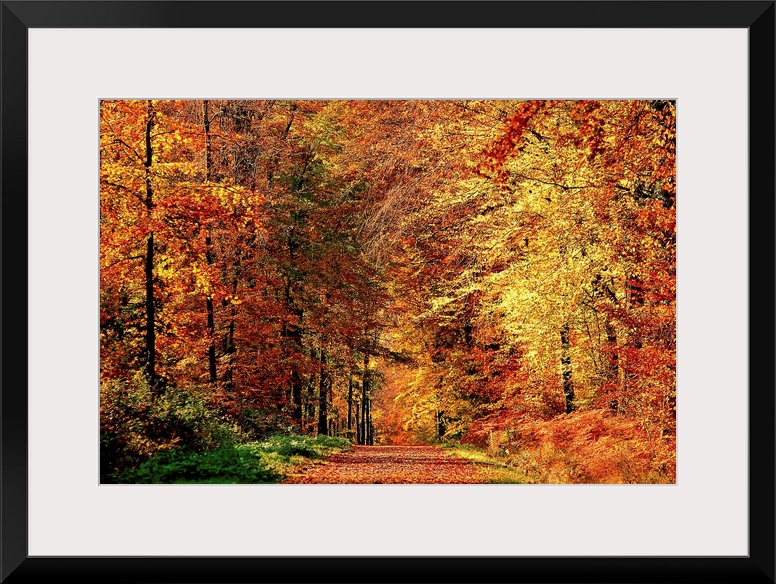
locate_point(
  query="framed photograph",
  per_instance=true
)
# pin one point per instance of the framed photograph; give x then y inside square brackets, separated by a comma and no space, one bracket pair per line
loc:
[607,164]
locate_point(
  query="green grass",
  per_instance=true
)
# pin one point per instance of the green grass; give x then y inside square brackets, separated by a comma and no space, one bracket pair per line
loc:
[286,454]
[496,471]
[268,461]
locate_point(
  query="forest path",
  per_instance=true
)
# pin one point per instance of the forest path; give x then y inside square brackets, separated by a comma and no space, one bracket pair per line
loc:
[392,464]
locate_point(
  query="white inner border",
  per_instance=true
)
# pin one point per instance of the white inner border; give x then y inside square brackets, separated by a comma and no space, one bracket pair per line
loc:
[704,514]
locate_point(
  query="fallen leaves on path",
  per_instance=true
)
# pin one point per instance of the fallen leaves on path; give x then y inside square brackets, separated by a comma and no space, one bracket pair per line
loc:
[392,464]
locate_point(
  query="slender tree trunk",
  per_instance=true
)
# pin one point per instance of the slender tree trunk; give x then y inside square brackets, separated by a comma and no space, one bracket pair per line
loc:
[634,299]
[323,402]
[230,345]
[611,370]
[358,424]
[293,334]
[150,306]
[370,440]
[211,326]
[364,399]
[350,403]
[296,397]
[150,314]
[310,401]
[365,413]
[565,360]
[613,365]
[441,426]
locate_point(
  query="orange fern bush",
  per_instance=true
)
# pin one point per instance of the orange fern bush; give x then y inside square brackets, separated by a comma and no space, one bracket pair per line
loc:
[600,447]
[594,447]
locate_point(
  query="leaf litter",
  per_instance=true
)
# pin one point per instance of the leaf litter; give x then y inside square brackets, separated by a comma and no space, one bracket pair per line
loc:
[391,465]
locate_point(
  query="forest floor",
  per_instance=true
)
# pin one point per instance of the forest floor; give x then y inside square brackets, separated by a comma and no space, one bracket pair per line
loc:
[394,464]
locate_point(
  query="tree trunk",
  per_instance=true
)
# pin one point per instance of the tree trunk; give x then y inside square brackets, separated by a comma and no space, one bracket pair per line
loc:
[350,404]
[211,326]
[611,371]
[230,348]
[613,366]
[565,361]
[293,334]
[441,425]
[323,391]
[364,399]
[370,429]
[296,397]
[150,306]
[358,424]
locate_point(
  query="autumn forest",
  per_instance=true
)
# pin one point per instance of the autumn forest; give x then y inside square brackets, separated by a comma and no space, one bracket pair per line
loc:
[404,291]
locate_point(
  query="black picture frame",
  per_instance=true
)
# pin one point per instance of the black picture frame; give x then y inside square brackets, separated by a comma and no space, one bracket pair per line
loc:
[18,16]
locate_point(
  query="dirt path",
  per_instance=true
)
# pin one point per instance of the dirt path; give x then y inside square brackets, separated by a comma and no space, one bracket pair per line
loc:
[392,464]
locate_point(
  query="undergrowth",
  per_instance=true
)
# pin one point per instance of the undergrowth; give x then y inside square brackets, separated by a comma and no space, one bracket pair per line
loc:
[180,437]
[495,469]
[268,461]
[593,447]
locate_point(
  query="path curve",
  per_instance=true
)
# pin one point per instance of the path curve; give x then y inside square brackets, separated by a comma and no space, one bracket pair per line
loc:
[391,464]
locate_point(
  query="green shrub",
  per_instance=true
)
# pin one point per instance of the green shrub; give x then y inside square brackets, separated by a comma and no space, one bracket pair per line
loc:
[305,446]
[253,462]
[228,464]
[184,416]
[133,427]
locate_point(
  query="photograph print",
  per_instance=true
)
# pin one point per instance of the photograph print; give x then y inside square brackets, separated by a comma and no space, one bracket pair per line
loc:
[387,291]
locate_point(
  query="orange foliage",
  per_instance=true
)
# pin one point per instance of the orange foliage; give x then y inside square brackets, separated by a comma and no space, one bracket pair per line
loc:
[595,446]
